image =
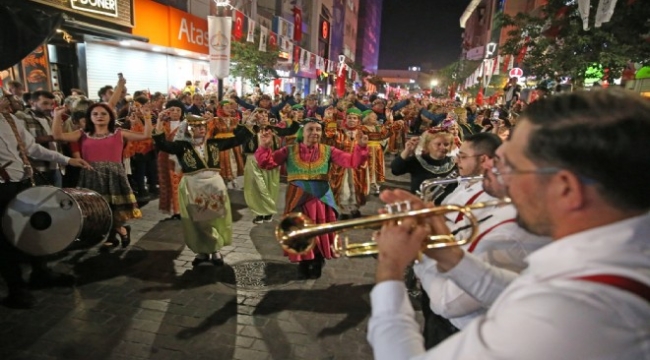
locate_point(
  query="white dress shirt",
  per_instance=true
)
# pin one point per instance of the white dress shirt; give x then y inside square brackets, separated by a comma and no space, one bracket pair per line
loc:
[462,195]
[501,244]
[545,313]
[9,149]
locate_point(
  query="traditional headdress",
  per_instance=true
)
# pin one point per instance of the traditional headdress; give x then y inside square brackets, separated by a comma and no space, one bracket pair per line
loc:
[305,121]
[354,111]
[194,120]
[298,107]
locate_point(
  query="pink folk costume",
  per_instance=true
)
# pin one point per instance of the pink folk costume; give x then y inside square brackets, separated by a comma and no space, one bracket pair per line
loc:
[108,176]
[309,191]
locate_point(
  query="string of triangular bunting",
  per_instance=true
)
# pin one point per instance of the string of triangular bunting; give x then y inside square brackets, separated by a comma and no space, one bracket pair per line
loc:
[284,37]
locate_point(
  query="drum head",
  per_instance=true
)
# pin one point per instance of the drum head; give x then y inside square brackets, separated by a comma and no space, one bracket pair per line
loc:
[42,220]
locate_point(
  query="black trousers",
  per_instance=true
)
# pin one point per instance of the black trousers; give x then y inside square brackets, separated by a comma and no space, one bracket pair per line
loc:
[144,165]
[10,257]
[436,327]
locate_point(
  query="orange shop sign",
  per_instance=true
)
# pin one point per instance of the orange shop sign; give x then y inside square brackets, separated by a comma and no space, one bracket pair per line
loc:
[169,27]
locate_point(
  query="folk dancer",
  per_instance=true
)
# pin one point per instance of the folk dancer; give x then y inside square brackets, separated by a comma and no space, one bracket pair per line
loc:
[203,196]
[232,159]
[309,191]
[169,174]
[102,145]
[376,134]
[350,185]
[261,187]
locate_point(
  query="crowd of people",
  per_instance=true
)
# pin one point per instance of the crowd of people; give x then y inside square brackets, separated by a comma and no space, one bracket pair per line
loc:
[572,239]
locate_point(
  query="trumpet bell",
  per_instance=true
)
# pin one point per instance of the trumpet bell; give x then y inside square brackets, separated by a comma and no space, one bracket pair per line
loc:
[288,226]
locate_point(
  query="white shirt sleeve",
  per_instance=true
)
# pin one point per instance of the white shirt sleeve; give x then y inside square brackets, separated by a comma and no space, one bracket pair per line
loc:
[392,329]
[447,299]
[483,281]
[550,322]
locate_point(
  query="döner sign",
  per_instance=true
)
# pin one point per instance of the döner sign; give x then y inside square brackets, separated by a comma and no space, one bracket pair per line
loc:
[103,7]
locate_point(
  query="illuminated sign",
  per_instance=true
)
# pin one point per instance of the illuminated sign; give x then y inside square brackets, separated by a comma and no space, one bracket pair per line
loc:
[102,7]
[324,30]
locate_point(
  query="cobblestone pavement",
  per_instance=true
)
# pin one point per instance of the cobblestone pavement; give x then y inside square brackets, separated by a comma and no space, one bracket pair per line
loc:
[147,302]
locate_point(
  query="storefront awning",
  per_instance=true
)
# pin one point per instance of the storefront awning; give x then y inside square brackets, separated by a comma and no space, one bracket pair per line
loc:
[73,25]
[22,29]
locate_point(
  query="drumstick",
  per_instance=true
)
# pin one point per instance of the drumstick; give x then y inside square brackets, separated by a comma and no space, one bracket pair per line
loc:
[6,165]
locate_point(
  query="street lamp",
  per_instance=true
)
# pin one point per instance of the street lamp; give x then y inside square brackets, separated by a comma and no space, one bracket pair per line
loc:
[434,83]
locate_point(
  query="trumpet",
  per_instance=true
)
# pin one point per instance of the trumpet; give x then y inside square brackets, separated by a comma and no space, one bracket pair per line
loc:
[432,188]
[297,234]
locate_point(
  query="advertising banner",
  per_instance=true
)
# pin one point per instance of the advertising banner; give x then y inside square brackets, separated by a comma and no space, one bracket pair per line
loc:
[219,30]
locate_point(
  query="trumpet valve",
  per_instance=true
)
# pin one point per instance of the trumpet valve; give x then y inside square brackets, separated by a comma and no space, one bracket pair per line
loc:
[398,207]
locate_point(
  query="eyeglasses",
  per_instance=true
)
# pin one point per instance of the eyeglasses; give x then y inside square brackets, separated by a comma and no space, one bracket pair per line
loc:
[550,170]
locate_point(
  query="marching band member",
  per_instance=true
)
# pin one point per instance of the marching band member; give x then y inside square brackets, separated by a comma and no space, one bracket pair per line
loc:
[203,196]
[501,243]
[18,145]
[309,192]
[592,280]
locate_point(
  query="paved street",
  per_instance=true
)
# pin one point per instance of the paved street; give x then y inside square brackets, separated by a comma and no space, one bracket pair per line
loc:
[147,302]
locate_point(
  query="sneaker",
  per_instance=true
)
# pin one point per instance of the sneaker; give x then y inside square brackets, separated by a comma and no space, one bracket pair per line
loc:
[268,218]
[216,259]
[258,219]
[201,260]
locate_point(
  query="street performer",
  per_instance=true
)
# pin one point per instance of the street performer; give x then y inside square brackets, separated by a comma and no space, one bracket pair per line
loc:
[500,243]
[202,194]
[309,192]
[18,145]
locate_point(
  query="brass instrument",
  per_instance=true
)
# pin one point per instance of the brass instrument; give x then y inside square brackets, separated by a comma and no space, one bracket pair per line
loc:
[432,188]
[297,234]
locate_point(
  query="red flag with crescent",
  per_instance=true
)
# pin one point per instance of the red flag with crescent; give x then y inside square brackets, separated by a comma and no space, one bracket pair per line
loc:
[297,24]
[273,40]
[238,28]
[277,84]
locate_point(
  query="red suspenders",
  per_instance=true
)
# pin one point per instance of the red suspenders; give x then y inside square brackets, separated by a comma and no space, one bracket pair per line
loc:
[469,202]
[473,245]
[620,282]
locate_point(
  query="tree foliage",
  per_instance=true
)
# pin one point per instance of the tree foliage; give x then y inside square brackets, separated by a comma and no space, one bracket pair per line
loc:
[456,72]
[253,65]
[559,46]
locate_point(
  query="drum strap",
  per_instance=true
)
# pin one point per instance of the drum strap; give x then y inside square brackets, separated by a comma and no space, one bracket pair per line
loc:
[29,173]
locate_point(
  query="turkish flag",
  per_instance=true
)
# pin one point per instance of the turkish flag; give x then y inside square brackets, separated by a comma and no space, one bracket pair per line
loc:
[273,40]
[277,85]
[238,28]
[479,97]
[340,82]
[297,24]
[296,54]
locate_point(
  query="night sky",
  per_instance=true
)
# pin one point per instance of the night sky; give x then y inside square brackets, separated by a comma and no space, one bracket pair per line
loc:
[415,32]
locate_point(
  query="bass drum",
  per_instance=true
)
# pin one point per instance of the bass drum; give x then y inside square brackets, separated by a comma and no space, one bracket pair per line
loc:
[45,220]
